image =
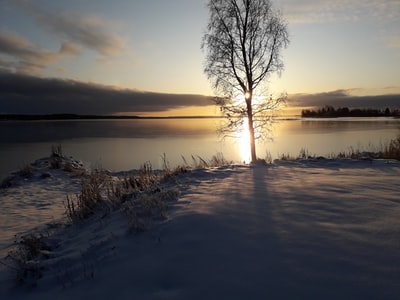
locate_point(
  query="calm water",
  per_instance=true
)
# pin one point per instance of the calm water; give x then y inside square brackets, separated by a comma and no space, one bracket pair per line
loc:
[126,144]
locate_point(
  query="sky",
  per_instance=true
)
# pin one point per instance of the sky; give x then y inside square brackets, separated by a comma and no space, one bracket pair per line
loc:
[145,57]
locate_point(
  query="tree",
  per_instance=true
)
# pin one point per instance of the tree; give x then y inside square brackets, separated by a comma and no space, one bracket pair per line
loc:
[243,41]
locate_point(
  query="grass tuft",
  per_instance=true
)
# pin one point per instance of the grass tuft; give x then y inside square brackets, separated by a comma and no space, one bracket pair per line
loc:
[26,171]
[83,204]
[56,157]
[25,259]
[389,150]
[392,149]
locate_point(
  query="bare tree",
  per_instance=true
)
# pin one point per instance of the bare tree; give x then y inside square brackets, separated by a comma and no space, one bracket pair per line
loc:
[243,42]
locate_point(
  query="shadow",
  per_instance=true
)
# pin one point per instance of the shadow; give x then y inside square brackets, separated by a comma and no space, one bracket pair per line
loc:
[332,230]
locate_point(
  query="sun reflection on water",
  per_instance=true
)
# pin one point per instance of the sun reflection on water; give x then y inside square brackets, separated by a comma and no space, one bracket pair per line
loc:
[243,137]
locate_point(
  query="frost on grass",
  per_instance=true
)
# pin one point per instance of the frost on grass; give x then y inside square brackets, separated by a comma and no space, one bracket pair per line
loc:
[25,260]
[142,196]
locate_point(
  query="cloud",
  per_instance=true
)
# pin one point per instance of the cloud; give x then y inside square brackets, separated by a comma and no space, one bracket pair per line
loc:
[24,94]
[393,42]
[343,98]
[316,11]
[19,54]
[89,31]
[76,33]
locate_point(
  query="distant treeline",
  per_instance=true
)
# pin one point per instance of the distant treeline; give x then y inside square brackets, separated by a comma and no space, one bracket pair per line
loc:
[23,117]
[331,112]
[60,117]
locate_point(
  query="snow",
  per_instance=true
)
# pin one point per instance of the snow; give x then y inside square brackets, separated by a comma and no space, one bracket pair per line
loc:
[312,229]
[34,200]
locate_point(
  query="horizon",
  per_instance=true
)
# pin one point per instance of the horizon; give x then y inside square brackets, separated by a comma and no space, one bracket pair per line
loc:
[130,58]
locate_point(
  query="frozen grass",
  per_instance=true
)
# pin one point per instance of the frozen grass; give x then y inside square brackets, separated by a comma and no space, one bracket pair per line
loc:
[197,162]
[27,171]
[82,205]
[388,150]
[25,259]
[139,194]
[392,149]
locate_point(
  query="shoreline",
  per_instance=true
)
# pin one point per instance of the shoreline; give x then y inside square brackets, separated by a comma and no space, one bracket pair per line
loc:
[60,117]
[67,117]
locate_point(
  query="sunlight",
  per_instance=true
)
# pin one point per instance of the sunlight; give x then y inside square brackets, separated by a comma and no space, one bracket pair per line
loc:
[243,137]
[241,98]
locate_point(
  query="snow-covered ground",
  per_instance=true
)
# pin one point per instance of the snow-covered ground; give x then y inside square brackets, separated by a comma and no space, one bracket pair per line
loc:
[323,229]
[34,199]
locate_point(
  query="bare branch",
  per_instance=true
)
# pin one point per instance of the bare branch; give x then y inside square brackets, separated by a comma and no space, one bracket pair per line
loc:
[244,40]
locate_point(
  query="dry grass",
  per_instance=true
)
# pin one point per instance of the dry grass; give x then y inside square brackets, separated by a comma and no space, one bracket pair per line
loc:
[392,149]
[139,195]
[26,171]
[25,259]
[217,160]
[82,205]
[388,150]
[143,197]
[56,157]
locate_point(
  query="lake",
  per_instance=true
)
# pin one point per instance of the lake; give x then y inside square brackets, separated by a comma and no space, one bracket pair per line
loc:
[126,144]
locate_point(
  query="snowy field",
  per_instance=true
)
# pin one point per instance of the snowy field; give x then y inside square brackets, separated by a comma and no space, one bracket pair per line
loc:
[323,229]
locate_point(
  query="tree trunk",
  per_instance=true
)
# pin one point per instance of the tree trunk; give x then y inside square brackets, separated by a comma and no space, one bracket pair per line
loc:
[251,131]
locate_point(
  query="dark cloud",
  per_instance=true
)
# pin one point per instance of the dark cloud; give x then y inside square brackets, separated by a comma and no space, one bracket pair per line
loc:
[343,98]
[24,94]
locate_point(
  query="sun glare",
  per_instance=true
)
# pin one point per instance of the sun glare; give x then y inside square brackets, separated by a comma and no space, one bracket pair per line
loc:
[243,137]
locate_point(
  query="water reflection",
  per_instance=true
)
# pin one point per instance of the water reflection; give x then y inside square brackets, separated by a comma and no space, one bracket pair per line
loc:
[243,138]
[126,144]
[329,136]
[45,131]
